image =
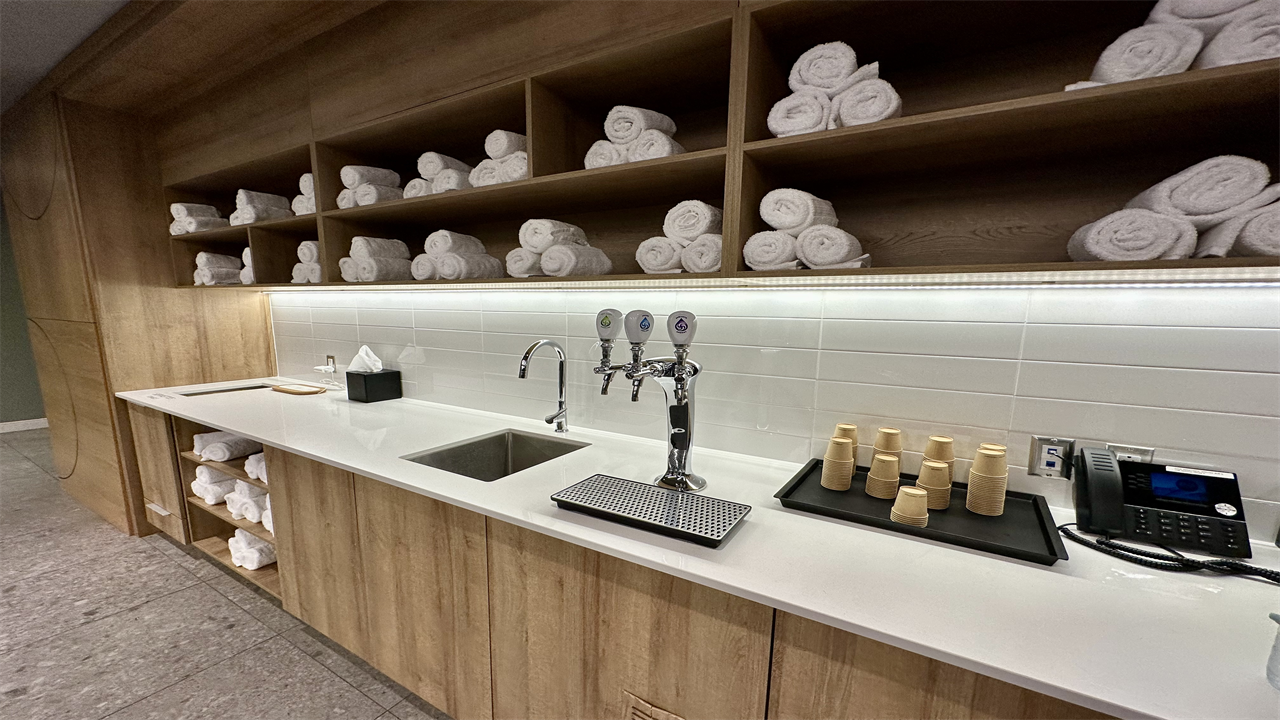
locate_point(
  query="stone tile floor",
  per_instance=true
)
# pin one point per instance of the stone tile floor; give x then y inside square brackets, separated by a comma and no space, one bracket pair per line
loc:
[96,624]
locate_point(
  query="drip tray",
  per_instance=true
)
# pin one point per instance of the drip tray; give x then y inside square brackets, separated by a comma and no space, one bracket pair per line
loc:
[697,518]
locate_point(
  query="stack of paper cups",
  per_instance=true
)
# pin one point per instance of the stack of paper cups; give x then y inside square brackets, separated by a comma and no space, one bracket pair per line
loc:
[889,442]
[942,449]
[910,508]
[988,481]
[935,479]
[848,430]
[837,464]
[882,479]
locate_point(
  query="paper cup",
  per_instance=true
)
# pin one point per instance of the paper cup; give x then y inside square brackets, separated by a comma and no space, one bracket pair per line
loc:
[885,467]
[912,502]
[990,462]
[908,520]
[889,439]
[847,430]
[882,488]
[993,446]
[940,448]
[836,475]
[934,474]
[841,449]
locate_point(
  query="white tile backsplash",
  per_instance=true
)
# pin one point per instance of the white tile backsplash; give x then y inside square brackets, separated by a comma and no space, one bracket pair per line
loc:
[1193,371]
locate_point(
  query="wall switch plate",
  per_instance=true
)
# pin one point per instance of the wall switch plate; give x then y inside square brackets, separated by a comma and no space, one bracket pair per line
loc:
[1132,453]
[1050,457]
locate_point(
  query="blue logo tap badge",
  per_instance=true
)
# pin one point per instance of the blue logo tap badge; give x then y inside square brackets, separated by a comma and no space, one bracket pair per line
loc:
[681,325]
[646,322]
[604,321]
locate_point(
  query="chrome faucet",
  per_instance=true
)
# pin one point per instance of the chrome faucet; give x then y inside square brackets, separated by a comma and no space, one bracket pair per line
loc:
[561,416]
[607,327]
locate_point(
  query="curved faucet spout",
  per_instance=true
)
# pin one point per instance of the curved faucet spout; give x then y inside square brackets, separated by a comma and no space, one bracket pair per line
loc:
[561,416]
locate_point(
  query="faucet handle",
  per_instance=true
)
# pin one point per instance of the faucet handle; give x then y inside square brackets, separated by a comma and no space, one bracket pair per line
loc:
[681,326]
[608,323]
[639,325]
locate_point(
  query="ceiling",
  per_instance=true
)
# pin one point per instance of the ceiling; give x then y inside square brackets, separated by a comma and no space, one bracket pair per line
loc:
[36,34]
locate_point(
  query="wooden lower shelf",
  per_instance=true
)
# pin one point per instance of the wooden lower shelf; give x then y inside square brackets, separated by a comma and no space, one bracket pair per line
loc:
[267,578]
[222,513]
[234,468]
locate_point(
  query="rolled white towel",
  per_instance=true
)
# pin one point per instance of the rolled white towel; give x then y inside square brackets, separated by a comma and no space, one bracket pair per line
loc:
[353,176]
[251,199]
[660,256]
[366,247]
[431,164]
[236,505]
[217,260]
[249,551]
[375,269]
[866,102]
[442,242]
[1255,233]
[249,489]
[1212,191]
[309,251]
[228,448]
[566,260]
[457,266]
[1253,34]
[307,184]
[305,272]
[268,521]
[690,219]
[1148,51]
[200,441]
[653,144]
[253,463]
[488,172]
[245,506]
[423,267]
[703,254]
[824,246]
[523,263]
[450,179]
[304,205]
[501,143]
[347,199]
[514,166]
[800,113]
[370,194]
[193,210]
[792,211]
[217,276]
[624,123]
[347,268]
[417,187]
[253,214]
[213,476]
[185,225]
[246,276]
[1133,234]
[212,486]
[1207,16]
[539,235]
[827,68]
[604,153]
[771,250]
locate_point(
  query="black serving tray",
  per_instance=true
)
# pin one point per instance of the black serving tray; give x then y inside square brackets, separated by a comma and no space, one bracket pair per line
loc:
[1025,531]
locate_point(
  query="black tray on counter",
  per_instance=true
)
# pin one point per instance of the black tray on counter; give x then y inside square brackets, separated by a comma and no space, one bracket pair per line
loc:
[1025,531]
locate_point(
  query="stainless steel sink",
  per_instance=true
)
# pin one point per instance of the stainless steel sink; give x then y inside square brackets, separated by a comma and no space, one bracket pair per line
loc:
[490,457]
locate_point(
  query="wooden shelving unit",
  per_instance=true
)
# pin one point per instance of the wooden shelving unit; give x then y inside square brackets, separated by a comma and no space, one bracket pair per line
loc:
[990,169]
[267,578]
[234,468]
[221,512]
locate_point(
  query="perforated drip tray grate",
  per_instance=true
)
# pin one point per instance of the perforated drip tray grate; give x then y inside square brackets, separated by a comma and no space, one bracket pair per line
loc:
[696,518]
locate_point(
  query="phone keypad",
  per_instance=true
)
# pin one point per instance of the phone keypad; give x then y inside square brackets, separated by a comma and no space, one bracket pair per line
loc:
[1193,532]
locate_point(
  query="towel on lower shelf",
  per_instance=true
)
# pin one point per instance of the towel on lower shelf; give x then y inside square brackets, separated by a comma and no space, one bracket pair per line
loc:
[604,153]
[377,269]
[1254,34]
[353,176]
[514,166]
[866,102]
[227,448]
[367,247]
[457,266]
[539,235]
[216,276]
[1148,51]
[347,268]
[1133,234]
[690,219]
[450,179]
[249,551]
[423,267]
[246,502]
[212,486]
[304,205]
[1207,16]
[417,187]
[703,254]
[255,466]
[792,211]
[824,246]
[441,242]
[305,272]
[827,68]
[268,521]
[260,200]
[800,113]
[309,251]
[1212,191]
[253,214]
[218,260]
[246,276]
[771,250]
[307,184]
[347,199]
[1255,233]
[660,256]
[192,210]
[431,164]
[501,143]
[370,194]
[653,144]
[523,263]
[184,225]
[488,172]
[624,123]
[566,260]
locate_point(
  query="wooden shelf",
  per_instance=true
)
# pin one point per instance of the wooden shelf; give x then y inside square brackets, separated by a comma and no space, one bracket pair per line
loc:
[229,234]
[222,513]
[234,468]
[267,578]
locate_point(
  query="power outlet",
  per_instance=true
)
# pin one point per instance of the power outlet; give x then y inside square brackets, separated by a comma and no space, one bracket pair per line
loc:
[1132,453]
[1050,457]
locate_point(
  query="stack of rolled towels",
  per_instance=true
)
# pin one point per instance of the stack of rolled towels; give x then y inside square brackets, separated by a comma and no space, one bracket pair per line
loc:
[1223,206]
[305,203]
[376,259]
[1190,34]
[450,255]
[246,502]
[365,185]
[508,160]
[829,91]
[307,269]
[804,235]
[440,173]
[268,521]
[193,217]
[246,272]
[250,551]
[634,134]
[252,207]
[223,446]
[212,486]
[217,269]
[690,240]
[255,466]
[555,248]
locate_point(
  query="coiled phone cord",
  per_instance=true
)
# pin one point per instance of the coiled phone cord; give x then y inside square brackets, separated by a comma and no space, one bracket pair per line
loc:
[1173,561]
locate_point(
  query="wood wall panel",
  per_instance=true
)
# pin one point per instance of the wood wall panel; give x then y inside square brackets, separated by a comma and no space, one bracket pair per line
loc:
[821,672]
[425,566]
[234,335]
[574,630]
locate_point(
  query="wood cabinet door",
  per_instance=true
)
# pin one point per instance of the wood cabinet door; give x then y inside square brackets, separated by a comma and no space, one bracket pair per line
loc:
[426,580]
[318,547]
[574,631]
[157,460]
[822,672]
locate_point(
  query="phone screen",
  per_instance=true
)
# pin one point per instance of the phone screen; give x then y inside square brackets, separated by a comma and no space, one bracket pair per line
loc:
[1170,486]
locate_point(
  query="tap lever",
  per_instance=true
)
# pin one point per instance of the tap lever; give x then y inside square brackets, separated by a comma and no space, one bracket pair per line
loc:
[608,323]
[681,327]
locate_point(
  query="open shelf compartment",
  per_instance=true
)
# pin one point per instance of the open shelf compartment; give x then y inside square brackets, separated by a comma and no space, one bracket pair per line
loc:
[277,174]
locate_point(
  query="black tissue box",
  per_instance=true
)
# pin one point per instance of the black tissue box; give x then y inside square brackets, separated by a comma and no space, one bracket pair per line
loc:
[373,386]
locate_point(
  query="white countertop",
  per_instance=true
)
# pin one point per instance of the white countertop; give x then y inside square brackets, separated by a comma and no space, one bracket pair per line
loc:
[1092,630]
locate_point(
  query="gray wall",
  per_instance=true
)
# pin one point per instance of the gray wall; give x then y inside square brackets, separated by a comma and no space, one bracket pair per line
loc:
[19,389]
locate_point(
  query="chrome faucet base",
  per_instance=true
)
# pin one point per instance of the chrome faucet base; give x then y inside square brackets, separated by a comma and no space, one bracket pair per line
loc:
[684,482]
